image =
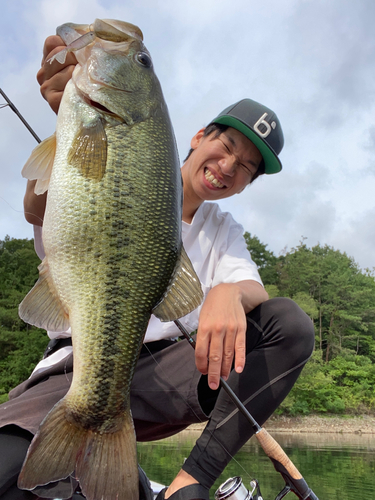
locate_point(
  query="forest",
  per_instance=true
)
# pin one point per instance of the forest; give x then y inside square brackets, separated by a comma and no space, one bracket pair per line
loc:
[327,284]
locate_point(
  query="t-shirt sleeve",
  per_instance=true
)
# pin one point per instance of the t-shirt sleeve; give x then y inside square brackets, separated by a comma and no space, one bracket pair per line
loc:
[38,242]
[234,260]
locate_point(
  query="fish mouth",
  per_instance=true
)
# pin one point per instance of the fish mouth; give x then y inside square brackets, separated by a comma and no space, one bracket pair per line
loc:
[97,105]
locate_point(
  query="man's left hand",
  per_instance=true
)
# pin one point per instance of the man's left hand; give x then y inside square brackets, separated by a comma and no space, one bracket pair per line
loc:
[221,335]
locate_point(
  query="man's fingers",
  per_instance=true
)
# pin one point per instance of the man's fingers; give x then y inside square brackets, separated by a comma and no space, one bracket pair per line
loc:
[240,348]
[50,44]
[53,77]
[214,368]
[201,351]
[49,70]
[228,351]
[53,88]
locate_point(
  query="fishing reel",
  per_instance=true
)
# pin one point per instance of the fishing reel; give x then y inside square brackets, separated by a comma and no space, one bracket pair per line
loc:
[234,489]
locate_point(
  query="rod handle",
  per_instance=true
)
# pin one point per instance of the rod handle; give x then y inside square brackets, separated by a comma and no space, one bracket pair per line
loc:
[273,450]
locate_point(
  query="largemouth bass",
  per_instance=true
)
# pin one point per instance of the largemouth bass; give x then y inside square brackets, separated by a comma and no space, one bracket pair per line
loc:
[112,238]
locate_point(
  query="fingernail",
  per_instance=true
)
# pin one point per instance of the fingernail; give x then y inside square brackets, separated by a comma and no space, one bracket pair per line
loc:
[213,386]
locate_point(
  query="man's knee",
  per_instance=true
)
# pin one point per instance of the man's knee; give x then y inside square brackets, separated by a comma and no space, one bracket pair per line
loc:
[287,321]
[297,325]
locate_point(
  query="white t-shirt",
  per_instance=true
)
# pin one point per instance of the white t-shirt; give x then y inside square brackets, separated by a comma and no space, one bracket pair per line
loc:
[217,249]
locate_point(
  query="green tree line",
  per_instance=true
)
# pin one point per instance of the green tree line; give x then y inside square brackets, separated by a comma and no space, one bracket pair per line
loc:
[21,345]
[328,285]
[340,300]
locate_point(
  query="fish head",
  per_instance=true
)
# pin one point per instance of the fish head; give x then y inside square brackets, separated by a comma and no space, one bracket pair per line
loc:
[115,73]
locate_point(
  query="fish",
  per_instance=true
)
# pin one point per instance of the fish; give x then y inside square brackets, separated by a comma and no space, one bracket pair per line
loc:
[114,254]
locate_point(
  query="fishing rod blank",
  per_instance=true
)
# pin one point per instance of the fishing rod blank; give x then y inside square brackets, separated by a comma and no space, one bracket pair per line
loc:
[13,108]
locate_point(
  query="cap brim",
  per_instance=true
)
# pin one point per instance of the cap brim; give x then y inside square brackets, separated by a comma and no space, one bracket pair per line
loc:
[271,160]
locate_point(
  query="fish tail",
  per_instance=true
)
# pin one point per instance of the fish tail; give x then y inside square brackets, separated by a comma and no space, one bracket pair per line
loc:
[105,464]
[107,467]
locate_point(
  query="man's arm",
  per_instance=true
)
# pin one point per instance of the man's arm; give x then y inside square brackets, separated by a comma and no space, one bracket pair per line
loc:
[52,79]
[34,205]
[221,335]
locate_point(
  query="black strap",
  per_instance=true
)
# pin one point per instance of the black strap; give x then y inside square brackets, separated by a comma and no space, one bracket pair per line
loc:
[56,344]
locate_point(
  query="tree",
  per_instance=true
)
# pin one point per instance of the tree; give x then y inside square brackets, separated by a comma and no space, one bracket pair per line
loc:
[263,258]
[343,298]
[21,345]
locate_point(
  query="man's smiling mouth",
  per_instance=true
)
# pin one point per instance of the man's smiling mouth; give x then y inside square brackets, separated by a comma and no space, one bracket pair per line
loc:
[212,180]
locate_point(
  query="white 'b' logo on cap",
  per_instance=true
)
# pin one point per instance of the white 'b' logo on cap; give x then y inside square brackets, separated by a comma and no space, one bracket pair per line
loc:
[269,127]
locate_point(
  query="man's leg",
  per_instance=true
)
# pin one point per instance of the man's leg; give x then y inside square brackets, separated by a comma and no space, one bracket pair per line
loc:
[14,443]
[280,340]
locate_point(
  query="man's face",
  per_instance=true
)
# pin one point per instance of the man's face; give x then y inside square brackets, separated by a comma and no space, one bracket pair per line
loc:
[221,166]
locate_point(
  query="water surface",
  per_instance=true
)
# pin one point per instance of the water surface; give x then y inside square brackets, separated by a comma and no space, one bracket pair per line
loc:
[335,466]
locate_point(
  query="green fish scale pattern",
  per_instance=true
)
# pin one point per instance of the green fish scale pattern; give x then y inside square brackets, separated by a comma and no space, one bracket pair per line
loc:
[121,244]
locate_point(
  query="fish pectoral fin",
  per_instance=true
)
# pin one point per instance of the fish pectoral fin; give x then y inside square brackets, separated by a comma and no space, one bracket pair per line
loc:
[39,165]
[42,307]
[88,152]
[184,293]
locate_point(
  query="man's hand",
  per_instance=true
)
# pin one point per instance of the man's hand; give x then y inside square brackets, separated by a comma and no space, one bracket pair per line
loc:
[53,78]
[221,335]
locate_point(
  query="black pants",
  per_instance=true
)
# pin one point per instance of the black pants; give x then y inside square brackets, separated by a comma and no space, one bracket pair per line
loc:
[168,394]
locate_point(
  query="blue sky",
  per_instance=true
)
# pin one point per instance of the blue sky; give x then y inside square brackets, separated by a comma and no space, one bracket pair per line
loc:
[311,61]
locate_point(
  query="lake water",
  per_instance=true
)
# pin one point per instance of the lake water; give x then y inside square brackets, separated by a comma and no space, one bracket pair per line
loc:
[335,466]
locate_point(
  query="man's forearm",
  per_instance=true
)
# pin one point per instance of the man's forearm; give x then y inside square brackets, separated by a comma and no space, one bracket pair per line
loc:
[252,294]
[34,205]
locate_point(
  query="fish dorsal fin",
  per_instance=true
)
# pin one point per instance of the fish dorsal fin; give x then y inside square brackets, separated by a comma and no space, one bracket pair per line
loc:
[42,307]
[39,165]
[184,293]
[88,152]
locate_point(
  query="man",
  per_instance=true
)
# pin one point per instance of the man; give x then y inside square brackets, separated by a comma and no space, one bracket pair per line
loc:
[258,345]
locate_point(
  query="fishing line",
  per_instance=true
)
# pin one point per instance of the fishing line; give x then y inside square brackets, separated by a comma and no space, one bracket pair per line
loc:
[20,211]
[14,209]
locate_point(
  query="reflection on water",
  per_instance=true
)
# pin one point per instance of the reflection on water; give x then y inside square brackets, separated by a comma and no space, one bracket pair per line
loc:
[335,466]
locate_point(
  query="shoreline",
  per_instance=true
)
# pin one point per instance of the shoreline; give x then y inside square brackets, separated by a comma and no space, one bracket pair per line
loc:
[330,424]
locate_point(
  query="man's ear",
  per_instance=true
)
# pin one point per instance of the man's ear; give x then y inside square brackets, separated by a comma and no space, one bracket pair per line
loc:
[194,143]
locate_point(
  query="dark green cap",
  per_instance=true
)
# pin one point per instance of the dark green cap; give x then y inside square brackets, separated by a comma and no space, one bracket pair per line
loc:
[259,124]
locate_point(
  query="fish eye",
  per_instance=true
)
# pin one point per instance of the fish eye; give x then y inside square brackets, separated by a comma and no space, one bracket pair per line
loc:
[143,59]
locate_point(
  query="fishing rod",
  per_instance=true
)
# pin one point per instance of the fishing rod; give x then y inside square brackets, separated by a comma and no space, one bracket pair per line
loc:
[13,108]
[293,479]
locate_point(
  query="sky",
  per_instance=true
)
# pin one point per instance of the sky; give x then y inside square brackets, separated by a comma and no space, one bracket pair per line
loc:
[311,61]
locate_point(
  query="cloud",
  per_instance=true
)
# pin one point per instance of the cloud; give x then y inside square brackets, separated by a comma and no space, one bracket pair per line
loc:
[357,237]
[312,62]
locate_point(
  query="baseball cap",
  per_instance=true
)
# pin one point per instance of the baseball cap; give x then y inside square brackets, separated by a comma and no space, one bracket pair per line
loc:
[259,124]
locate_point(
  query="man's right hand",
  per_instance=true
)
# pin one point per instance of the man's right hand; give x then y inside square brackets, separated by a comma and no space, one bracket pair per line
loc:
[52,77]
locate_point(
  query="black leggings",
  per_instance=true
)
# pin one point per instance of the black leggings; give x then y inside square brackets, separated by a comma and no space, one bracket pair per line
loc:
[280,339]
[14,443]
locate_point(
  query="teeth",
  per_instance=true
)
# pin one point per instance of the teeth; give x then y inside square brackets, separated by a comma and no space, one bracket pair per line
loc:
[212,180]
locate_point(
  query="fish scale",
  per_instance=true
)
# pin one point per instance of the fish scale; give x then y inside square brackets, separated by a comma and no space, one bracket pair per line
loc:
[112,238]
